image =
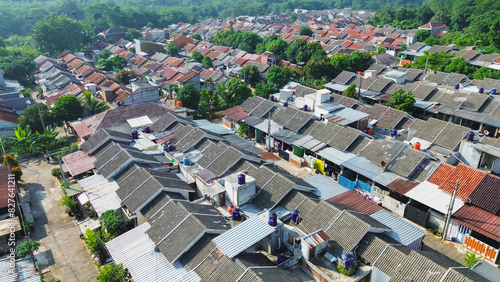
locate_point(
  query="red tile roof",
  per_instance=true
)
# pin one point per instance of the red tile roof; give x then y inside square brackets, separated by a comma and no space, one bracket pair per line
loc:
[487,194]
[356,202]
[79,162]
[441,174]
[4,187]
[236,113]
[187,76]
[402,186]
[433,25]
[479,220]
[49,100]
[469,178]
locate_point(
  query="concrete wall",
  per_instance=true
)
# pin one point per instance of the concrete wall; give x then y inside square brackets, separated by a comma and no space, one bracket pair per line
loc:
[469,154]
[436,220]
[143,95]
[379,276]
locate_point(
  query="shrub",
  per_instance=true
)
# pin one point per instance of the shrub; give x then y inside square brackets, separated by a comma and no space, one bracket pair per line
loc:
[17,172]
[346,272]
[56,172]
[111,220]
[69,203]
[10,160]
[111,273]
[74,146]
[23,249]
[471,259]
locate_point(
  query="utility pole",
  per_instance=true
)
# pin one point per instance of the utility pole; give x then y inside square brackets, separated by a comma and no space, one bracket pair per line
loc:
[450,211]
[63,175]
[426,61]
[269,148]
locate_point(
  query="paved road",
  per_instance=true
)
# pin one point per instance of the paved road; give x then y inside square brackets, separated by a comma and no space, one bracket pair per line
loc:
[61,251]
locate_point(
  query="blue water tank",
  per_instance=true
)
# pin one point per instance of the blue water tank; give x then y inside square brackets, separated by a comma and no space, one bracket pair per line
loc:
[185,161]
[271,98]
[493,91]
[241,179]
[295,216]
[481,90]
[457,86]
[273,219]
[470,136]
[304,108]
[135,134]
[147,129]
[347,261]
[235,215]
[285,104]
[394,132]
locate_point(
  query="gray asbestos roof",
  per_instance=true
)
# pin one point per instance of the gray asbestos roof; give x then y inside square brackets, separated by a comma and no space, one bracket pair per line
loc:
[373,245]
[345,233]
[391,260]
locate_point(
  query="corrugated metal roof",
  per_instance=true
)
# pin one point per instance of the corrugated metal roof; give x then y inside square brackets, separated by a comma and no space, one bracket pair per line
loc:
[402,231]
[346,116]
[101,193]
[335,156]
[385,178]
[243,235]
[316,238]
[429,194]
[250,209]
[136,251]
[327,188]
[363,167]
[25,271]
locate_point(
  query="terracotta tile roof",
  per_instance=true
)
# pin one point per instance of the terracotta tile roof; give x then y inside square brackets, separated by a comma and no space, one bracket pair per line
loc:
[240,62]
[76,63]
[168,72]
[173,62]
[235,113]
[433,25]
[139,60]
[68,58]
[356,202]
[469,178]
[95,77]
[187,76]
[205,52]
[486,195]
[441,174]
[479,220]
[402,186]
[85,70]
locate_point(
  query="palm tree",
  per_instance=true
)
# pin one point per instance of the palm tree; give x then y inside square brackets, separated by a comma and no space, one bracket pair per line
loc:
[24,141]
[93,104]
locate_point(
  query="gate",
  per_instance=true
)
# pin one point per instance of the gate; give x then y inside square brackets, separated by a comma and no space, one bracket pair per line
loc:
[416,215]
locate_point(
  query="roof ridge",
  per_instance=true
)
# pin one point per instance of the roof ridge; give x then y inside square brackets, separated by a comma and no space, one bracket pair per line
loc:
[171,231]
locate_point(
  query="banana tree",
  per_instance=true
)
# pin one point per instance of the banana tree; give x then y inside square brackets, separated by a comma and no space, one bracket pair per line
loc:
[23,142]
[46,138]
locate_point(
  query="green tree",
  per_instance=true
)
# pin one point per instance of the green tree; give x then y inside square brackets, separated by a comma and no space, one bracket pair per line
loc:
[278,47]
[111,220]
[104,54]
[24,249]
[31,117]
[119,62]
[95,240]
[172,50]
[132,34]
[236,93]
[350,91]
[432,61]
[250,74]
[485,72]
[265,90]
[58,33]
[26,92]
[281,76]
[189,96]
[111,273]
[92,104]
[359,61]
[209,100]
[125,76]
[471,259]
[431,41]
[242,130]
[67,107]
[196,36]
[318,69]
[105,64]
[304,30]
[197,56]
[422,35]
[207,62]
[47,138]
[402,101]
[460,65]
[340,62]
[69,203]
